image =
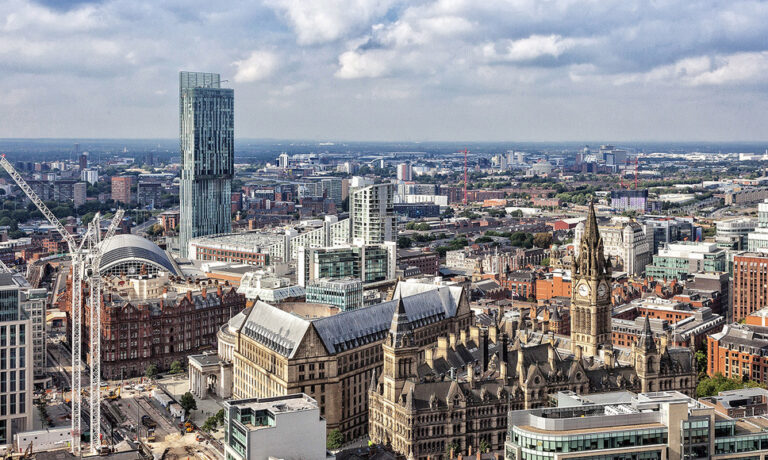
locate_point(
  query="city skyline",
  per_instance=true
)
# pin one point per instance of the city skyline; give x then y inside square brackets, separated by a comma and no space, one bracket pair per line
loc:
[385,71]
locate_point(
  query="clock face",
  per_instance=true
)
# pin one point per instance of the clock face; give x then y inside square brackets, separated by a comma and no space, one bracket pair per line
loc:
[583,290]
[602,290]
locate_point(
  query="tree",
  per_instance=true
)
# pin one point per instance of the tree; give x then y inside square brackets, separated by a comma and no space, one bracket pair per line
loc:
[484,446]
[220,415]
[403,242]
[176,368]
[210,424]
[334,440]
[545,262]
[701,361]
[188,403]
[151,371]
[542,240]
[711,386]
[451,450]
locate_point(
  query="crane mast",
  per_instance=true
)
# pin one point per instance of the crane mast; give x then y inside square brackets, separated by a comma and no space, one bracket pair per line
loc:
[86,259]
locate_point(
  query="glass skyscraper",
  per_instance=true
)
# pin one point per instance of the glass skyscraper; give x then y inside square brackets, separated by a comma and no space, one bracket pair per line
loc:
[206,114]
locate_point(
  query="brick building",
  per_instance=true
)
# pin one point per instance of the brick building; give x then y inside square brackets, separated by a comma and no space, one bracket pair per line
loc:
[121,189]
[425,260]
[741,350]
[750,284]
[160,330]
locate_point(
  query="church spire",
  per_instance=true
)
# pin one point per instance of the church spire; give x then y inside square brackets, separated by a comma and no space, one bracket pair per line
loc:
[645,340]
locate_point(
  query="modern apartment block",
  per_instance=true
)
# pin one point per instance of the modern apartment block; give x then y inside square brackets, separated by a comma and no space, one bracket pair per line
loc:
[16,358]
[206,112]
[121,189]
[750,284]
[372,214]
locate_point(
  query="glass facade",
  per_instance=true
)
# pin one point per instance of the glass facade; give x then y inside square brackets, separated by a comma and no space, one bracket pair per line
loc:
[207,156]
[543,446]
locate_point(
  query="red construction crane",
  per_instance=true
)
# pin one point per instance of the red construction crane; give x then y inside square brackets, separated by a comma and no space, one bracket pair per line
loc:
[465,176]
[636,173]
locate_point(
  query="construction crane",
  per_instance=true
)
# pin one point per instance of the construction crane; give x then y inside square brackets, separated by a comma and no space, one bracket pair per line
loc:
[4,268]
[465,176]
[86,258]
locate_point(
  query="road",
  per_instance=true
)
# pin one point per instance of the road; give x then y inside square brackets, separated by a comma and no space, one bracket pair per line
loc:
[141,228]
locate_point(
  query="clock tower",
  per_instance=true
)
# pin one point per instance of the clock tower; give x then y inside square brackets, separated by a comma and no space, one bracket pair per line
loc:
[590,292]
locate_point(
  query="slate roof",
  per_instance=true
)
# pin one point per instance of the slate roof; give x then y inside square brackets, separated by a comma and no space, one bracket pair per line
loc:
[283,332]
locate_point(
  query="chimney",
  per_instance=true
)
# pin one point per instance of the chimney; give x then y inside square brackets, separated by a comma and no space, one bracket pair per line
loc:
[442,347]
[452,340]
[479,455]
[474,334]
[205,293]
[578,352]
[469,451]
[608,358]
[428,357]
[463,337]
[520,359]
[503,372]
[493,333]
[219,290]
[470,375]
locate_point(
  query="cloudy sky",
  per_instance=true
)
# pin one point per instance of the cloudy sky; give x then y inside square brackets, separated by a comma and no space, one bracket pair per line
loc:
[392,70]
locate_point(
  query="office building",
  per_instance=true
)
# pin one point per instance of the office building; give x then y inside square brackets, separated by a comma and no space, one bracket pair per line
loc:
[83,161]
[629,246]
[121,189]
[347,294]
[372,216]
[404,172]
[331,187]
[206,112]
[33,301]
[149,193]
[678,260]
[750,284]
[417,210]
[287,427]
[370,263]
[80,190]
[647,426]
[667,230]
[334,358]
[16,359]
[734,233]
[629,200]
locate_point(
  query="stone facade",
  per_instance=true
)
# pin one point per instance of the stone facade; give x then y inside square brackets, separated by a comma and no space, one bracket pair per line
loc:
[456,394]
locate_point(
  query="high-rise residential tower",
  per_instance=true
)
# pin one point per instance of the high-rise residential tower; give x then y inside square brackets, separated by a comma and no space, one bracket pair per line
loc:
[206,112]
[372,215]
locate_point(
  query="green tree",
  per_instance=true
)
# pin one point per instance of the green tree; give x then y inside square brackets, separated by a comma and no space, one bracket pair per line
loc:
[711,386]
[176,368]
[545,262]
[188,403]
[542,240]
[220,415]
[150,371]
[210,424]
[334,440]
[451,449]
[483,239]
[701,361]
[403,242]
[484,446]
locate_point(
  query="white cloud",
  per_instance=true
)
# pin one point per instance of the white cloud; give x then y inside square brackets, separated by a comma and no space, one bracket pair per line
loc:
[258,66]
[321,21]
[370,64]
[750,67]
[531,48]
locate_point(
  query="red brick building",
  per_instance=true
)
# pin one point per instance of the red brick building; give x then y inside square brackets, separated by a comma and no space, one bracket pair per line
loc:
[160,331]
[750,284]
[555,285]
[121,189]
[425,260]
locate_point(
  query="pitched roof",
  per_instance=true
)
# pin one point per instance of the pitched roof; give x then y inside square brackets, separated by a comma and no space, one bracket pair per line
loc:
[283,332]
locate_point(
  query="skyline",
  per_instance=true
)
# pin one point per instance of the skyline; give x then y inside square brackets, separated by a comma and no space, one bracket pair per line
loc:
[388,71]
